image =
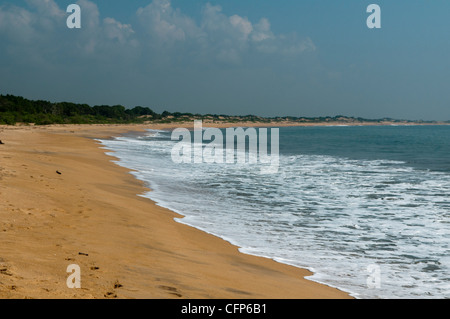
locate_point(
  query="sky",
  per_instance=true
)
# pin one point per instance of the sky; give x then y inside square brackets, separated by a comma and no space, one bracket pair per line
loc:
[236,57]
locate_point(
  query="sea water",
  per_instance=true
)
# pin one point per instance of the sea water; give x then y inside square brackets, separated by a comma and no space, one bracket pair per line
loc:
[365,208]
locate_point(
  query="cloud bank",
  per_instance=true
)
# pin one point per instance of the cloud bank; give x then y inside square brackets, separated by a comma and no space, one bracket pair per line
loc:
[163,49]
[160,29]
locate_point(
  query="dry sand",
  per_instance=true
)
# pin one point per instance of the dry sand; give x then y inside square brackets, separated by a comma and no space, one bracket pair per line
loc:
[125,245]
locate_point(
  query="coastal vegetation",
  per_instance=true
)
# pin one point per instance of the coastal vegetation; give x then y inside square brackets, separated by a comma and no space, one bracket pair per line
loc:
[17,109]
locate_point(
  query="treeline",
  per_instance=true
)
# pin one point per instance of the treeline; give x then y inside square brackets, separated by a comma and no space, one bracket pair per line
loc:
[16,109]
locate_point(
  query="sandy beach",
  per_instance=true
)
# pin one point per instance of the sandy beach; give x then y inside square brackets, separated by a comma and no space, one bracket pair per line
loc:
[90,214]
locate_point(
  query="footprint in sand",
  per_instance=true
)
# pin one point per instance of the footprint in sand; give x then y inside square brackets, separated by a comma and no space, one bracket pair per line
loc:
[110,294]
[5,271]
[171,290]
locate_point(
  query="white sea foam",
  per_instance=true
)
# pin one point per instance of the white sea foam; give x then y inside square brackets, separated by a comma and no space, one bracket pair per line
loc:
[332,215]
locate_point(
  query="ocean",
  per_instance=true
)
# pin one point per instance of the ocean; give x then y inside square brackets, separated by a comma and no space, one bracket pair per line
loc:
[365,208]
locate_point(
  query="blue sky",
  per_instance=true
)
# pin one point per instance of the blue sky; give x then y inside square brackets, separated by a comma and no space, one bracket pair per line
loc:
[290,57]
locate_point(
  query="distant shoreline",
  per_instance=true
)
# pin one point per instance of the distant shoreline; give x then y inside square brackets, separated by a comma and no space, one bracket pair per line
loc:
[19,110]
[306,124]
[190,124]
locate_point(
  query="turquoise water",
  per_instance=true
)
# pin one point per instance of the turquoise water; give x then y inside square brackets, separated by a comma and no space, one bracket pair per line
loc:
[345,201]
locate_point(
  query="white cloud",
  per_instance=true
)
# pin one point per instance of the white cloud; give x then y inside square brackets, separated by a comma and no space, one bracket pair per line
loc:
[237,36]
[163,35]
[164,24]
[16,24]
[90,15]
[229,39]
[242,24]
[46,7]
[262,31]
[116,30]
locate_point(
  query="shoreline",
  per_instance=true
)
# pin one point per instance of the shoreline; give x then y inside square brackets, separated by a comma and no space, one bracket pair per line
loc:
[126,245]
[232,242]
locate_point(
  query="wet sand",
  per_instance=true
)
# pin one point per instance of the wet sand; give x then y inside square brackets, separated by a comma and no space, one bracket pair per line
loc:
[126,246]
